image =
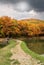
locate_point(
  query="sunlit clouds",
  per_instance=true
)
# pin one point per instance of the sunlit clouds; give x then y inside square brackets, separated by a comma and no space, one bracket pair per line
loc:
[21,6]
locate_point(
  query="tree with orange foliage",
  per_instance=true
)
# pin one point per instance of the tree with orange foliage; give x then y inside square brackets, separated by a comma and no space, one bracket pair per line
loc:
[12,27]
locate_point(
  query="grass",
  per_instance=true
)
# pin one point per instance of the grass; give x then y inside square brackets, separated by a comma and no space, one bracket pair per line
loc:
[16,62]
[35,44]
[5,53]
[33,54]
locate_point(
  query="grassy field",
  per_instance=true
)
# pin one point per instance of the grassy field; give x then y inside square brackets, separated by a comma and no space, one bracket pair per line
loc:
[5,53]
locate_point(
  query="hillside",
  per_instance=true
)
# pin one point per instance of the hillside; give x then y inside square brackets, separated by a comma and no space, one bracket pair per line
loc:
[28,27]
[32,20]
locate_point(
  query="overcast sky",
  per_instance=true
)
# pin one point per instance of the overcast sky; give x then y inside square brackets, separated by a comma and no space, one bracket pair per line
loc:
[21,9]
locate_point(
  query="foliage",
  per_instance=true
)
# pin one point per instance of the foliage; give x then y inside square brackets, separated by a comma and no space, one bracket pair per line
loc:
[12,27]
[33,54]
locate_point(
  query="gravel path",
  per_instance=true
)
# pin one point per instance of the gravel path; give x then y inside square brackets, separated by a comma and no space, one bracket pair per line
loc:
[21,56]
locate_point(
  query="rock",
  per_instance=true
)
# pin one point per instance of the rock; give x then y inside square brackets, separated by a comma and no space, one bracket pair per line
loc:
[4,42]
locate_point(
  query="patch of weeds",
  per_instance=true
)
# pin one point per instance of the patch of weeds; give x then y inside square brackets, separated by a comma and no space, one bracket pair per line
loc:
[39,62]
[11,60]
[42,63]
[16,62]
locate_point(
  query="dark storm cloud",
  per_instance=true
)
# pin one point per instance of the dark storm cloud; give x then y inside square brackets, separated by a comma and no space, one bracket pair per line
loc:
[9,1]
[37,5]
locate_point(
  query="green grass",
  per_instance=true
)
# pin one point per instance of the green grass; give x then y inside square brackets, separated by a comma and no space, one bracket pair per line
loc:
[5,53]
[16,62]
[33,54]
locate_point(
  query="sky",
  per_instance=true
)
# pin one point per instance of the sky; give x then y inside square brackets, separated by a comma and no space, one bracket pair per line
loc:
[21,9]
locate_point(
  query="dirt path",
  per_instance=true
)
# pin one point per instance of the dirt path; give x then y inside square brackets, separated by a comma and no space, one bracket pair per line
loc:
[21,56]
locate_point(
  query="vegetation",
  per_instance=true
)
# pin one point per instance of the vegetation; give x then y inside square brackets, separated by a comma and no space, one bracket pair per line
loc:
[33,54]
[5,53]
[15,28]
[12,27]
[16,62]
[35,44]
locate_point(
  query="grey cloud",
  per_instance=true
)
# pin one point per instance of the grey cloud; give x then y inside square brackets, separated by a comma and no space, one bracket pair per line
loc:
[13,3]
[37,5]
[9,1]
